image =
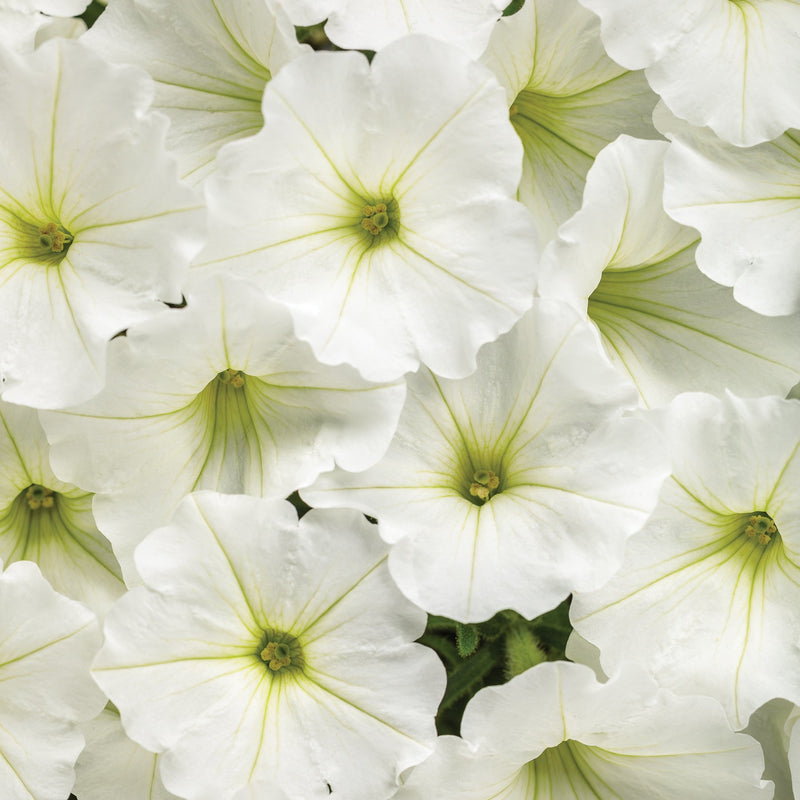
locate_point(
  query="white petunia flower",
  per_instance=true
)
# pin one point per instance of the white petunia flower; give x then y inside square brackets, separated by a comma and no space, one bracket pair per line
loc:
[210,60]
[708,598]
[266,650]
[733,65]
[554,733]
[45,520]
[744,203]
[46,645]
[377,204]
[567,101]
[22,22]
[631,269]
[114,766]
[515,486]
[94,227]
[220,395]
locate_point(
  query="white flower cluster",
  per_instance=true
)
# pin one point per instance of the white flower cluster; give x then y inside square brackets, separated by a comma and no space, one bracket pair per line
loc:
[505,299]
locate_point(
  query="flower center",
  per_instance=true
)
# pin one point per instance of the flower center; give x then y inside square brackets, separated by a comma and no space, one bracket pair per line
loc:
[33,240]
[374,218]
[54,239]
[380,220]
[39,497]
[281,652]
[231,377]
[761,528]
[484,484]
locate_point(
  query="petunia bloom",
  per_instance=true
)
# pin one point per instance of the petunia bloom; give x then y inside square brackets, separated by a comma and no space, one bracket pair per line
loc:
[46,645]
[377,204]
[708,597]
[46,520]
[555,733]
[218,395]
[567,99]
[95,229]
[517,485]
[624,263]
[264,649]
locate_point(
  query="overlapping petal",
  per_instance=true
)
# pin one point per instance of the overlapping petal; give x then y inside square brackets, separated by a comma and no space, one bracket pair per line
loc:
[210,59]
[22,21]
[46,645]
[568,100]
[627,265]
[355,25]
[112,765]
[744,203]
[732,65]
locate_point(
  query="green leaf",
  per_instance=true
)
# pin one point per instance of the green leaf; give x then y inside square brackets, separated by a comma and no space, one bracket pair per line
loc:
[513,7]
[436,623]
[467,677]
[443,645]
[302,507]
[92,13]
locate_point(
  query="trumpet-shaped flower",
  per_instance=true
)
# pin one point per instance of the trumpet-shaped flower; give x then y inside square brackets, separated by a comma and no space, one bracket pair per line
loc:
[515,486]
[219,395]
[567,101]
[210,60]
[744,203]
[94,227]
[46,645]
[45,520]
[261,649]
[631,269]
[708,598]
[377,203]
[554,733]
[732,65]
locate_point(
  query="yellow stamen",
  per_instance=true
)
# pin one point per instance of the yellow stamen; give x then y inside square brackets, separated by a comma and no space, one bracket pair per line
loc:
[761,527]
[484,482]
[39,497]
[374,218]
[277,655]
[235,377]
[53,238]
